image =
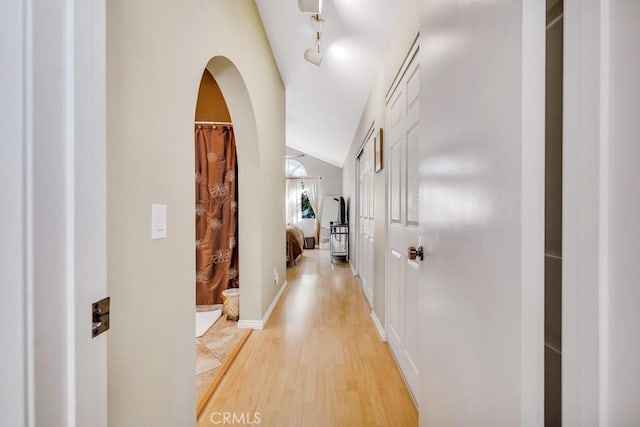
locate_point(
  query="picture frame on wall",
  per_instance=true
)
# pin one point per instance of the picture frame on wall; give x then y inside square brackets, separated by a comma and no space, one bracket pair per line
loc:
[377,152]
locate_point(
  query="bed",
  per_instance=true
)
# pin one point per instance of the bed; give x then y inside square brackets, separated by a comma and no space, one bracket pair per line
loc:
[295,243]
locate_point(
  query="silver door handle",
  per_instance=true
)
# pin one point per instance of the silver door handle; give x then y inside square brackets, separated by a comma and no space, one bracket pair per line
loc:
[416,253]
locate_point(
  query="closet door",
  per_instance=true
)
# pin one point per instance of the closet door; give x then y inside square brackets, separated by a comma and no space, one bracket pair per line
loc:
[365,223]
[403,112]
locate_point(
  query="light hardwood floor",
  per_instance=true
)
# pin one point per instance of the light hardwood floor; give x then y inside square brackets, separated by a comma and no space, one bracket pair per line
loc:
[318,362]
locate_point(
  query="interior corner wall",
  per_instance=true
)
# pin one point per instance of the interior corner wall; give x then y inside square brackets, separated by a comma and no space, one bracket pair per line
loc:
[405,32]
[331,182]
[156,53]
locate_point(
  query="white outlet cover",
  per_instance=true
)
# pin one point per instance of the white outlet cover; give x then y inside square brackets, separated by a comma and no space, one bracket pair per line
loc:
[158,221]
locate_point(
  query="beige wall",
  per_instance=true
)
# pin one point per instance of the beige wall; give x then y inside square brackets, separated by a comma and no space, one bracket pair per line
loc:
[150,159]
[406,30]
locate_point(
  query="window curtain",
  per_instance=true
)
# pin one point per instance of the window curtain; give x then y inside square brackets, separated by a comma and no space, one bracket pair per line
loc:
[217,263]
[311,186]
[294,201]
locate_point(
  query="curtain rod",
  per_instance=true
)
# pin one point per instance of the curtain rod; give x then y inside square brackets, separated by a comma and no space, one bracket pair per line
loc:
[302,177]
[214,123]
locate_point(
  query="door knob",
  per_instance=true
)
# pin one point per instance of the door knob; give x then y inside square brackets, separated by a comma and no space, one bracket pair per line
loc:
[416,253]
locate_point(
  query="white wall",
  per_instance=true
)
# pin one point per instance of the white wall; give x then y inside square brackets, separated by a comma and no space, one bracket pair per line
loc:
[54,107]
[601,347]
[624,213]
[405,31]
[156,55]
[13,369]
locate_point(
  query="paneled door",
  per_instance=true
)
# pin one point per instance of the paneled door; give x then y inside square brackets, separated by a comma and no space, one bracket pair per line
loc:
[404,268]
[365,220]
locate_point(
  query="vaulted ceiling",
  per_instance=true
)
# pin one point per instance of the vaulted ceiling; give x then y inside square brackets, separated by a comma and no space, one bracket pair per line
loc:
[324,104]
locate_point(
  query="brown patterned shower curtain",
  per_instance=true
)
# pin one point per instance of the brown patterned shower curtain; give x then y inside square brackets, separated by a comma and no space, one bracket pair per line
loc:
[216,213]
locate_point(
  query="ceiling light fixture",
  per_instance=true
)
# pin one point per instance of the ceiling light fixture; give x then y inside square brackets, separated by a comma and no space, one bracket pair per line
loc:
[316,23]
[310,7]
[314,56]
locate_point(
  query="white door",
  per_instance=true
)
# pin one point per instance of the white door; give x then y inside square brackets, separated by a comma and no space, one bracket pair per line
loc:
[53,181]
[482,213]
[365,220]
[403,115]
[13,328]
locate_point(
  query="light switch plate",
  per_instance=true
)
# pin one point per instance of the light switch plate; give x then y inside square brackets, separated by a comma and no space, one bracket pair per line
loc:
[158,221]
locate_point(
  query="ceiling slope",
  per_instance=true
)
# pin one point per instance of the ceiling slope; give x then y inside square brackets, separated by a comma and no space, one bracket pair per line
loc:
[324,104]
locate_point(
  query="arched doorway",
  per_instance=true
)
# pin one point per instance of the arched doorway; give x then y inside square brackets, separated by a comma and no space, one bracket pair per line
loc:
[216,220]
[241,113]
[225,161]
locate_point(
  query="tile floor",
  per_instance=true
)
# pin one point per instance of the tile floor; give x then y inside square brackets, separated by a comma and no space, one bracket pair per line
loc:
[213,348]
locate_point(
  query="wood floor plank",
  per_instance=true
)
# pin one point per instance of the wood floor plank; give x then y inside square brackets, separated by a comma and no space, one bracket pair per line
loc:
[318,362]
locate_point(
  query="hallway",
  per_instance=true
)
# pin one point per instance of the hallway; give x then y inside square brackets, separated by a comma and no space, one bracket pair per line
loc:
[318,362]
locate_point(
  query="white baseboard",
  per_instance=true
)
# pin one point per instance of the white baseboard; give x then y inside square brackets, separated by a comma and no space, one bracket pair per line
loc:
[250,324]
[379,327]
[353,269]
[259,324]
[273,303]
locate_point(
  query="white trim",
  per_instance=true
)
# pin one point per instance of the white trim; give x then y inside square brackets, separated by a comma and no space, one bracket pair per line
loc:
[70,190]
[250,324]
[585,231]
[387,180]
[413,50]
[368,296]
[266,316]
[259,324]
[370,131]
[379,327]
[29,233]
[353,269]
[603,229]
[14,225]
[532,201]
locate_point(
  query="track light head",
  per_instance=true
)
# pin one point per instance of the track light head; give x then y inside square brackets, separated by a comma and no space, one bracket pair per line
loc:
[311,7]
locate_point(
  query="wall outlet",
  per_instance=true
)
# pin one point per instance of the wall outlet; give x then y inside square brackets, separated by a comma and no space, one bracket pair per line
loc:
[276,277]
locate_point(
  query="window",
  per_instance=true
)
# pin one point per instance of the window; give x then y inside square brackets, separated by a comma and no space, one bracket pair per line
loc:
[295,168]
[307,210]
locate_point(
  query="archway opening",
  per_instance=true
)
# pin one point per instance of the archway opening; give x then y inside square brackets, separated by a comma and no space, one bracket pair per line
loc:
[227,198]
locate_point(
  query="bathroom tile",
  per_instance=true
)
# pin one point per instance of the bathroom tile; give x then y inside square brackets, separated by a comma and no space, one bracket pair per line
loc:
[200,308]
[204,379]
[221,346]
[205,360]
[213,348]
